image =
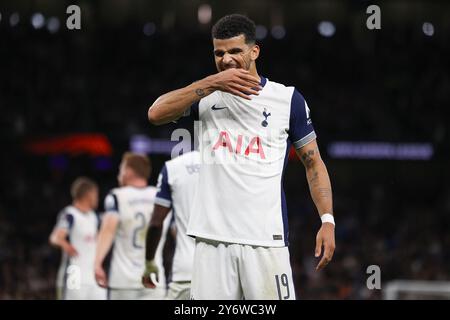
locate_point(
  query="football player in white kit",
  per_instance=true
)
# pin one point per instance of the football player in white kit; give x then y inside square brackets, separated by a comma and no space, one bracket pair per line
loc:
[76,234]
[122,234]
[176,189]
[239,216]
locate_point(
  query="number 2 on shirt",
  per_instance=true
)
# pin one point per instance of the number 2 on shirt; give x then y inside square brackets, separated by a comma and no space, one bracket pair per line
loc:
[141,220]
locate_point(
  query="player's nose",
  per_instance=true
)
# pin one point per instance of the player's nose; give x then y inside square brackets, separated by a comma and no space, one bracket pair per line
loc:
[227,58]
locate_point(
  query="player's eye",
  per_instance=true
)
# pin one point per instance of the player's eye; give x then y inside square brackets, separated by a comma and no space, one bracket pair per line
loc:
[235,51]
[219,54]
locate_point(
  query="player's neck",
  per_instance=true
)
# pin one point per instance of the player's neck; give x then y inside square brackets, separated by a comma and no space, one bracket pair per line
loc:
[254,72]
[137,183]
[81,206]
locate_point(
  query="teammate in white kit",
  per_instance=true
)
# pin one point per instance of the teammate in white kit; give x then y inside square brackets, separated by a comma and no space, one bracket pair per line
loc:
[76,234]
[239,215]
[128,211]
[177,183]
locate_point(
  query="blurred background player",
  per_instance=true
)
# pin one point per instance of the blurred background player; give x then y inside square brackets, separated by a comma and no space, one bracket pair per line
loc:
[177,183]
[128,211]
[239,216]
[76,234]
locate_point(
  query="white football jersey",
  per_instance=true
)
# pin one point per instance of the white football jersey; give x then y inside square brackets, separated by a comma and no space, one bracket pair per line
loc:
[134,206]
[244,146]
[82,234]
[176,189]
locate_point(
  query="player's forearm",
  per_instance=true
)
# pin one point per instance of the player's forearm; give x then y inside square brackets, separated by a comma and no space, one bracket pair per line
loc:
[172,105]
[59,242]
[104,244]
[152,241]
[58,239]
[320,187]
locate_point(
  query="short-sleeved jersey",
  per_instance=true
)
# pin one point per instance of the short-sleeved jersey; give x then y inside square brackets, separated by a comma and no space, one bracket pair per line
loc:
[134,207]
[82,234]
[177,183]
[244,146]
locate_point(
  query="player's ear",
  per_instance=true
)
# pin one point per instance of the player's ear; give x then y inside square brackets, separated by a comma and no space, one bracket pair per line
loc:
[254,53]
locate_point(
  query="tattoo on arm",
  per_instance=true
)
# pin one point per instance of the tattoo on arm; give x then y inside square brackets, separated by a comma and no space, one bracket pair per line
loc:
[307,158]
[325,192]
[314,179]
[200,92]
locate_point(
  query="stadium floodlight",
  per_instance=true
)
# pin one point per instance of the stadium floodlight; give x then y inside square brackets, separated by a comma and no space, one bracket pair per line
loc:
[204,13]
[149,29]
[428,29]
[326,28]
[14,19]
[278,32]
[53,25]
[37,20]
[261,32]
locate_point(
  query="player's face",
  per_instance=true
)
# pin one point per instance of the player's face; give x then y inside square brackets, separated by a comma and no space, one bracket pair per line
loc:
[93,198]
[234,53]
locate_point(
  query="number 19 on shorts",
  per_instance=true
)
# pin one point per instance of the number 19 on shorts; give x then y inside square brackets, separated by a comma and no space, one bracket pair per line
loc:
[282,286]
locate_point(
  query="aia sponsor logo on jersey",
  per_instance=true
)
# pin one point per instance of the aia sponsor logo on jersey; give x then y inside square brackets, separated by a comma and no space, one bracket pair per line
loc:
[240,147]
[89,238]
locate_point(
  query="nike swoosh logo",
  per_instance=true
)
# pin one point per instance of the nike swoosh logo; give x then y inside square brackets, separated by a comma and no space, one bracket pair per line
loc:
[217,108]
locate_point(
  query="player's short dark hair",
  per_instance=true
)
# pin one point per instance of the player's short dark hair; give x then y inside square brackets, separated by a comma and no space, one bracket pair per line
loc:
[234,25]
[81,186]
[139,163]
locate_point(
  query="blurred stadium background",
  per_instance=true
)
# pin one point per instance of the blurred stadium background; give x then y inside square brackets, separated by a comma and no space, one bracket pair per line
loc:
[73,101]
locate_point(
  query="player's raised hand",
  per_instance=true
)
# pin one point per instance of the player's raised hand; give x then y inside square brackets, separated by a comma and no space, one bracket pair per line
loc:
[150,276]
[100,277]
[325,239]
[237,81]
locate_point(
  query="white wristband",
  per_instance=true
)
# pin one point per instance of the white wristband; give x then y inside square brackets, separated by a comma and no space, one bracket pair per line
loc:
[327,217]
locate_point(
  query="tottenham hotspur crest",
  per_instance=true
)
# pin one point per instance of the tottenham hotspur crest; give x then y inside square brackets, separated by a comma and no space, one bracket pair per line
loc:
[264,123]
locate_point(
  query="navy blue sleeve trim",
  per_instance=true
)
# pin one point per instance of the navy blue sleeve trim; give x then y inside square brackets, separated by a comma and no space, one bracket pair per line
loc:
[69,219]
[111,203]
[164,190]
[301,130]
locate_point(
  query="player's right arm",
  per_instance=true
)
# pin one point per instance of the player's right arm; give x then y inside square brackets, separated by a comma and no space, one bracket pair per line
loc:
[172,105]
[58,238]
[104,242]
[108,228]
[59,235]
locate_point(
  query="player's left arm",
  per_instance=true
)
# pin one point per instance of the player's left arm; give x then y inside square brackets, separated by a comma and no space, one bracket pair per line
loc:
[105,239]
[163,205]
[321,193]
[152,240]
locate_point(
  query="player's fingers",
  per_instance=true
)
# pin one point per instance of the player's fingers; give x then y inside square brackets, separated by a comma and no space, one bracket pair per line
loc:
[154,278]
[245,74]
[318,250]
[238,93]
[329,251]
[245,89]
[323,262]
[249,78]
[101,280]
[147,282]
[248,84]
